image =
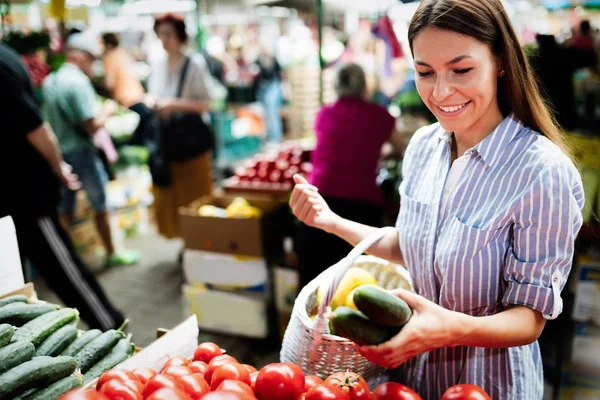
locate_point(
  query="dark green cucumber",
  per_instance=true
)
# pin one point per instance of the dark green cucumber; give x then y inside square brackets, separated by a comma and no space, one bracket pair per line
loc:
[39,329]
[6,334]
[36,373]
[15,354]
[121,352]
[18,314]
[80,342]
[355,326]
[97,349]
[57,342]
[26,393]
[58,388]
[15,298]
[381,306]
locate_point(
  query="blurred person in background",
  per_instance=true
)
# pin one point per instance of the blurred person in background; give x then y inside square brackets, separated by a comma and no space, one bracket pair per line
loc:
[351,134]
[33,171]
[71,106]
[267,85]
[123,83]
[174,72]
[584,40]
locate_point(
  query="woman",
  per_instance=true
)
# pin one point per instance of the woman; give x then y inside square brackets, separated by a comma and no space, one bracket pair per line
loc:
[350,136]
[490,208]
[190,179]
[268,92]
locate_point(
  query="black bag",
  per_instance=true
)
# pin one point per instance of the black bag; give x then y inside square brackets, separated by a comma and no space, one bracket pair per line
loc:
[185,135]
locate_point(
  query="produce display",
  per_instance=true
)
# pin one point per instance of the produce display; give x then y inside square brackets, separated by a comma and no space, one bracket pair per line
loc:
[271,171]
[212,375]
[43,355]
[362,311]
[239,208]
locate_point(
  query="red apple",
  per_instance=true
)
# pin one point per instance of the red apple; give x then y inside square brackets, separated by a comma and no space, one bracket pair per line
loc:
[263,173]
[290,172]
[251,173]
[306,167]
[296,161]
[275,176]
[282,165]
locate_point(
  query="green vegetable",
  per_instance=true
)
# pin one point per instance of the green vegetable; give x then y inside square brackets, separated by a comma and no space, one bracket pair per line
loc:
[98,348]
[80,342]
[121,352]
[38,372]
[17,298]
[15,354]
[18,314]
[39,329]
[381,306]
[58,341]
[6,334]
[355,326]
[57,389]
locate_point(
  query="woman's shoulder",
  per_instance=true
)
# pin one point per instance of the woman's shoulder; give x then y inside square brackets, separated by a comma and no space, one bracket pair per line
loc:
[427,134]
[197,61]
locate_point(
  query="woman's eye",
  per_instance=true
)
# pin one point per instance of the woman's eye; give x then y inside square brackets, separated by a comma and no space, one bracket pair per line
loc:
[462,71]
[424,74]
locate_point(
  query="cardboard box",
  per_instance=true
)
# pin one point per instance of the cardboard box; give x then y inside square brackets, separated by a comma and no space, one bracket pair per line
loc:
[11,272]
[586,345]
[227,312]
[587,291]
[257,237]
[286,288]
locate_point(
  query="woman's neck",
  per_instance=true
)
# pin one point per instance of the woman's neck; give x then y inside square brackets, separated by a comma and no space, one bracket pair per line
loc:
[173,59]
[478,131]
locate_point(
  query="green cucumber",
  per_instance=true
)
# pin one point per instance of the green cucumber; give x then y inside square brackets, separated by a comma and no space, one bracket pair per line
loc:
[381,306]
[39,329]
[57,342]
[97,349]
[39,372]
[26,393]
[121,352]
[15,354]
[18,314]
[15,298]
[80,342]
[58,388]
[355,326]
[6,334]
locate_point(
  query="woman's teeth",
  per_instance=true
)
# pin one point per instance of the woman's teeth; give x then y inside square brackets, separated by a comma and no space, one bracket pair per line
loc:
[453,108]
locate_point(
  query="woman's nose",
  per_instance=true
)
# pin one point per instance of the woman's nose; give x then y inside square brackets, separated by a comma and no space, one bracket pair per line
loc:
[442,89]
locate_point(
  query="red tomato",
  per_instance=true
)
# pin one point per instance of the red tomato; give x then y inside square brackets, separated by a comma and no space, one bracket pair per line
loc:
[250,368]
[228,396]
[217,362]
[325,391]
[116,390]
[198,367]
[311,381]
[194,385]
[118,374]
[233,371]
[159,382]
[394,391]
[134,385]
[207,351]
[168,394]
[253,376]
[302,396]
[229,385]
[176,371]
[177,360]
[279,381]
[144,374]
[350,383]
[76,394]
[465,392]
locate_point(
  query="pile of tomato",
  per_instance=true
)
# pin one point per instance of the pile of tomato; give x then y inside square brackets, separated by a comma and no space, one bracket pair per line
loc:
[213,375]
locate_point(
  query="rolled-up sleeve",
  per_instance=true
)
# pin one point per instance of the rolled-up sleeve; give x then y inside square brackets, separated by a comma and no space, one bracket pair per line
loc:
[547,221]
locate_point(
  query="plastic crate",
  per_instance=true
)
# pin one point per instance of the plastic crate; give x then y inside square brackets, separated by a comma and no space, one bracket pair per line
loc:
[241,148]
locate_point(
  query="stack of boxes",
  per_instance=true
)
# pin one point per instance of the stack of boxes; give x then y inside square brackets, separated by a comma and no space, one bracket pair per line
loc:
[226,265]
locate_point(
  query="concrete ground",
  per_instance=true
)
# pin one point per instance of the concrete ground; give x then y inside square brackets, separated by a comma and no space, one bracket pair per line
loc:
[149,295]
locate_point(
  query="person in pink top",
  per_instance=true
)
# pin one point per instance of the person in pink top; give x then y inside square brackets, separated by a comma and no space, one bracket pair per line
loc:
[350,135]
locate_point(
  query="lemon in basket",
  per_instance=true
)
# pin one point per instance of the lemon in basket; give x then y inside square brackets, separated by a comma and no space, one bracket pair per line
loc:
[352,279]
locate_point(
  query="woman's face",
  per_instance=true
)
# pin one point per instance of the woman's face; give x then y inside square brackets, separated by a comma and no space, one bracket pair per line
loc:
[457,79]
[168,36]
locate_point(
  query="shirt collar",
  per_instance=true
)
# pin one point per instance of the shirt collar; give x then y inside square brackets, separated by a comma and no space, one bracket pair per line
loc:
[491,147]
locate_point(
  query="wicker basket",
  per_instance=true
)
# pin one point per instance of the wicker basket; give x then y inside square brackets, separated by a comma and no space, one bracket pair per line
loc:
[308,343]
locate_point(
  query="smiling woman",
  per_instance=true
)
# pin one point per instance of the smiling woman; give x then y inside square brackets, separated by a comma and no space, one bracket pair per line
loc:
[490,208]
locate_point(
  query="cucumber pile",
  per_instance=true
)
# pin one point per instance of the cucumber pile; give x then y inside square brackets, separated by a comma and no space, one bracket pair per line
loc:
[43,355]
[379,317]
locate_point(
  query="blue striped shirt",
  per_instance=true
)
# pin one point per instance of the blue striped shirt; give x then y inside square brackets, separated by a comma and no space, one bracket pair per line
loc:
[505,237]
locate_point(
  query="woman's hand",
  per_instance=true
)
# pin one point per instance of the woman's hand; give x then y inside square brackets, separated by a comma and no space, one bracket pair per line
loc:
[310,207]
[430,327]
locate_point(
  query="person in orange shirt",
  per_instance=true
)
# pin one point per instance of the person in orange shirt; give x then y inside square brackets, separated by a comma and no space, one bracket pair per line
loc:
[123,83]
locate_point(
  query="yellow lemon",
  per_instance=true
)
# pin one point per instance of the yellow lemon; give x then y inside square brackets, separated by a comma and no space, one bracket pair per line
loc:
[353,278]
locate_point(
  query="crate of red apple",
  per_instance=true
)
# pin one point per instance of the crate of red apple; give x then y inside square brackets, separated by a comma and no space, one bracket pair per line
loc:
[213,375]
[270,172]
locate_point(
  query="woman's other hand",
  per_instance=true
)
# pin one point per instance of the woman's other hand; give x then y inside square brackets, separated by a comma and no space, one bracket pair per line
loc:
[430,327]
[310,207]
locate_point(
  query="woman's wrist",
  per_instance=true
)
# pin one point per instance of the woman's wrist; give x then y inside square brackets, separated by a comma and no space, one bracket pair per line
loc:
[463,329]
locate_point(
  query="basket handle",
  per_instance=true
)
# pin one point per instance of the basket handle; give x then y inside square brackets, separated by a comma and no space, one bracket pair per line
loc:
[338,270]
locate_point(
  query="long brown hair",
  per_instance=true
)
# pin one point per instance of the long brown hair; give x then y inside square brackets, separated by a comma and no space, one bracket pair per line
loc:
[487,21]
